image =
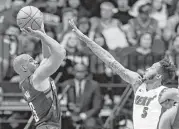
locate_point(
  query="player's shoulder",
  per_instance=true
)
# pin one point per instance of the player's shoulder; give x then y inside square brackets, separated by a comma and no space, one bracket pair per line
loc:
[170,114]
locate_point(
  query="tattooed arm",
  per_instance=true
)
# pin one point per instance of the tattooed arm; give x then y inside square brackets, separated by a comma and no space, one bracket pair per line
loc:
[127,75]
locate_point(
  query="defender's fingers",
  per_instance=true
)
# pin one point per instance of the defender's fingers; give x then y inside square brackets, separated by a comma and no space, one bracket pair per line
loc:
[72,24]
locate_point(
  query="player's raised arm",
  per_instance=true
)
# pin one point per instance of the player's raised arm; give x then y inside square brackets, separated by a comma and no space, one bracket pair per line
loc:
[52,63]
[127,75]
[46,52]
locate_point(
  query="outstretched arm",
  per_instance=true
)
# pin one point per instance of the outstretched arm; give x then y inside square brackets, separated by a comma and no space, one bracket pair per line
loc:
[127,75]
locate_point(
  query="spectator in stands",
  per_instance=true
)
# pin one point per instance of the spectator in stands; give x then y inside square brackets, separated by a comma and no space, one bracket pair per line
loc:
[134,11]
[73,3]
[167,36]
[141,24]
[122,13]
[8,49]
[67,13]
[173,52]
[51,32]
[72,45]
[171,6]
[1,95]
[84,25]
[111,28]
[159,47]
[84,98]
[177,29]
[8,15]
[141,58]
[159,13]
[173,20]
[92,7]
[51,13]
[97,67]
[76,4]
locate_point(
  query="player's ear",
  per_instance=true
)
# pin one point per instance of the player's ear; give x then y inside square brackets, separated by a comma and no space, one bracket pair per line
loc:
[24,69]
[159,76]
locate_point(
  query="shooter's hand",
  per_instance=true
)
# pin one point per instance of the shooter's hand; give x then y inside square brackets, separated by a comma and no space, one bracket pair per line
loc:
[35,33]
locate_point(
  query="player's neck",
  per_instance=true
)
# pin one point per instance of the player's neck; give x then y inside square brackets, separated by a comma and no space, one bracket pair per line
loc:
[24,76]
[153,85]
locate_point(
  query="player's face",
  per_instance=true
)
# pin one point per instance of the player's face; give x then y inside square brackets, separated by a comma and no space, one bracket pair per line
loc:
[32,65]
[152,71]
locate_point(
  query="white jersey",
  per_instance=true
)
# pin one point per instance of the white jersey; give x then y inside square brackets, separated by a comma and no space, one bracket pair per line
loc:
[146,108]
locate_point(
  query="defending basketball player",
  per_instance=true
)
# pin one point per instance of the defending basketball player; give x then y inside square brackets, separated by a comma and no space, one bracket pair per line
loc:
[150,94]
[37,87]
[170,118]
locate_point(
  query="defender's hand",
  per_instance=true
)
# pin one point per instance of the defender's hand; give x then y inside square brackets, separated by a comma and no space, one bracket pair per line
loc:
[72,24]
[75,29]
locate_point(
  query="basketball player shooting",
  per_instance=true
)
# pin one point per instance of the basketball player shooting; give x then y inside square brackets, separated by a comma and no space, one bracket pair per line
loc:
[37,87]
[150,94]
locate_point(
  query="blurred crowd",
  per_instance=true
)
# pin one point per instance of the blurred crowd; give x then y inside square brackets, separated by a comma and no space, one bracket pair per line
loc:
[136,32]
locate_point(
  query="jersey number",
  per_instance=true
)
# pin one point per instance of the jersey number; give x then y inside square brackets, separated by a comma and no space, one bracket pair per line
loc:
[144,114]
[33,112]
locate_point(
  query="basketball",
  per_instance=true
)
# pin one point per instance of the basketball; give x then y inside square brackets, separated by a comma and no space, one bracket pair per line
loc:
[30,16]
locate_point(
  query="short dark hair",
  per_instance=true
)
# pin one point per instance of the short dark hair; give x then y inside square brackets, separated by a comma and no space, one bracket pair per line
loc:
[146,8]
[168,70]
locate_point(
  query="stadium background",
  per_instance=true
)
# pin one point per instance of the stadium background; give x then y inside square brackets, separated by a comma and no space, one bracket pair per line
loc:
[136,32]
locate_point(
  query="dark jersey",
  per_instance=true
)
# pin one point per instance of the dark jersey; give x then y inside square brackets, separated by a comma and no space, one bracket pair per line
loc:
[44,106]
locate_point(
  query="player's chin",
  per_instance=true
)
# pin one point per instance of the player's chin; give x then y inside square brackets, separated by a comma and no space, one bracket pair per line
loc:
[149,80]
